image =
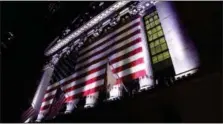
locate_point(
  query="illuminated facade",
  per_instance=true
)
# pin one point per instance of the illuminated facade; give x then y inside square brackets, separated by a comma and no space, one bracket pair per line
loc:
[128,42]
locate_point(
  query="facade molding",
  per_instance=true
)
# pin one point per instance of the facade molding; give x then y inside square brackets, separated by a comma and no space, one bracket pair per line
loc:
[75,36]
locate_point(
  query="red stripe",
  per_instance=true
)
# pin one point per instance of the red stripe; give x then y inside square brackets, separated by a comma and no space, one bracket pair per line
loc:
[85,74]
[119,49]
[111,53]
[80,76]
[102,58]
[134,52]
[52,89]
[85,93]
[133,76]
[92,80]
[48,98]
[56,108]
[129,65]
[116,42]
[45,107]
[104,42]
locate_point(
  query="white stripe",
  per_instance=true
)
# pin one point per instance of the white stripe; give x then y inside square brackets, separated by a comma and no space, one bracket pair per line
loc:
[110,35]
[44,111]
[108,43]
[107,51]
[131,70]
[84,79]
[127,60]
[50,94]
[127,50]
[47,102]
[52,86]
[74,101]
[83,71]
[86,87]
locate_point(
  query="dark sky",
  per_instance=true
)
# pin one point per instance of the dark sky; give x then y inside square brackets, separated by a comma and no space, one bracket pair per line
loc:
[23,60]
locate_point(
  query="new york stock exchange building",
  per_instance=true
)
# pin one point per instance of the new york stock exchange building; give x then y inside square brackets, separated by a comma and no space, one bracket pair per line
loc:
[129,48]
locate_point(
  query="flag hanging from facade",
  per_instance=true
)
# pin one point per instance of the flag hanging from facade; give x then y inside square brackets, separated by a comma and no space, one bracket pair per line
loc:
[121,48]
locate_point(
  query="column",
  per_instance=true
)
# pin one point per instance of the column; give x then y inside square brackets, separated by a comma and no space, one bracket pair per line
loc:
[115,84]
[48,72]
[182,50]
[146,82]
[91,100]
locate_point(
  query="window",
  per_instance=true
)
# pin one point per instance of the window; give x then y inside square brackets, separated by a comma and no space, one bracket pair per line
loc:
[153,51]
[147,22]
[160,33]
[157,43]
[154,30]
[151,45]
[152,24]
[166,55]
[160,57]
[151,19]
[162,40]
[155,17]
[158,28]
[149,32]
[154,59]
[157,22]
[158,49]
[155,36]
[164,46]
[150,38]
[147,16]
[148,26]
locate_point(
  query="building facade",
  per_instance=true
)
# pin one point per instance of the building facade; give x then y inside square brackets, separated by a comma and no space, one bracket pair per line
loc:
[130,46]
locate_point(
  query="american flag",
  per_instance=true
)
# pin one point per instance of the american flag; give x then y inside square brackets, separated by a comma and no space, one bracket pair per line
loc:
[57,105]
[122,49]
[49,98]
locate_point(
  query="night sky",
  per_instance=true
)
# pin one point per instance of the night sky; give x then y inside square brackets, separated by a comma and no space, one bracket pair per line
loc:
[23,60]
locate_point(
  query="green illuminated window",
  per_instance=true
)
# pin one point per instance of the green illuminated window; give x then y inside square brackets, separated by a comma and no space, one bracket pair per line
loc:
[166,55]
[158,49]
[147,26]
[154,59]
[153,51]
[152,24]
[155,36]
[149,32]
[158,28]
[150,38]
[151,45]
[157,22]
[160,33]
[162,40]
[164,46]
[155,17]
[147,22]
[160,57]
[157,43]
[154,30]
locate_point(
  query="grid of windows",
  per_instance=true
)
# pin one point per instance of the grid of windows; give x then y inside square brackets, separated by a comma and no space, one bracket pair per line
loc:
[155,35]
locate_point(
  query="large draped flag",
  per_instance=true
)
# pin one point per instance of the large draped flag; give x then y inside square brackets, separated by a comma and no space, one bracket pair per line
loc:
[122,50]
